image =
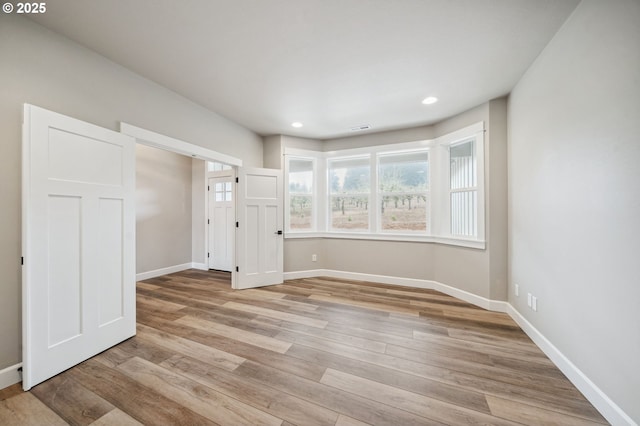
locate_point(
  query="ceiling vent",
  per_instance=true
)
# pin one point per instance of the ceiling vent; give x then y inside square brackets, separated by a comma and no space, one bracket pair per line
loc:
[360,128]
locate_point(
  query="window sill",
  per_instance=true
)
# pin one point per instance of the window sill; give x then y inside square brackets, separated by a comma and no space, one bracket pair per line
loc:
[460,242]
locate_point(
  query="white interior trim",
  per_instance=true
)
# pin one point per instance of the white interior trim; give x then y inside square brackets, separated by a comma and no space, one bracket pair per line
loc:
[156,140]
[451,241]
[460,134]
[493,305]
[164,271]
[609,409]
[10,375]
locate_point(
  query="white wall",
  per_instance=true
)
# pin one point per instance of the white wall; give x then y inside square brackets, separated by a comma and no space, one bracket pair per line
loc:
[45,69]
[574,195]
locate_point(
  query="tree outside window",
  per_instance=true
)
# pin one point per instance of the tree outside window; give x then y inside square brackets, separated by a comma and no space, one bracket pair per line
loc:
[301,194]
[404,191]
[349,187]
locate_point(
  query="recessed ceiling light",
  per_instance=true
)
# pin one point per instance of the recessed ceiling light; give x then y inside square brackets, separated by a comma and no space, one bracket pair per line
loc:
[296,124]
[430,100]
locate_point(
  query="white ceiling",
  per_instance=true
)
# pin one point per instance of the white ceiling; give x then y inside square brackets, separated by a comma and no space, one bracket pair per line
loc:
[330,64]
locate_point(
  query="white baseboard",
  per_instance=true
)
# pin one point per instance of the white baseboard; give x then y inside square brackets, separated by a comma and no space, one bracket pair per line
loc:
[163,271]
[609,409]
[10,376]
[493,305]
[296,275]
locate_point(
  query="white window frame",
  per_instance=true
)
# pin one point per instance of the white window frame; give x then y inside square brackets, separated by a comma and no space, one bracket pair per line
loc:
[380,194]
[306,156]
[438,204]
[370,194]
[474,132]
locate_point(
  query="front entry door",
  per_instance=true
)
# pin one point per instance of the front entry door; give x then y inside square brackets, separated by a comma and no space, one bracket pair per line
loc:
[221,223]
[78,242]
[260,223]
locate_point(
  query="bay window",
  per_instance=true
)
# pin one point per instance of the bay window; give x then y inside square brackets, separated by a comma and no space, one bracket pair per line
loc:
[418,191]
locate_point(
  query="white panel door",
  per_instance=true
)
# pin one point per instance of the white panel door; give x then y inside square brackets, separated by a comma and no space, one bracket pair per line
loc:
[221,220]
[260,223]
[78,233]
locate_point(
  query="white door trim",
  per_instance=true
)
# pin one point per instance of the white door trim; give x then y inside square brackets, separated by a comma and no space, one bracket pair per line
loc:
[167,143]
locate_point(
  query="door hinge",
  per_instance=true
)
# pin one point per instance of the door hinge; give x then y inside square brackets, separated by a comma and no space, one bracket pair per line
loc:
[22,260]
[237,180]
[208,254]
[237,269]
[237,224]
[208,222]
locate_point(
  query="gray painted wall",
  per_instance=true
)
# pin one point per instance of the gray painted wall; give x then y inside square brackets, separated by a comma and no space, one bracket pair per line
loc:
[198,211]
[163,209]
[272,152]
[574,195]
[359,140]
[40,67]
[273,157]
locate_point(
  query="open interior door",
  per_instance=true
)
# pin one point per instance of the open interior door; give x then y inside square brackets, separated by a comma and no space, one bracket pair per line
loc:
[260,217]
[78,242]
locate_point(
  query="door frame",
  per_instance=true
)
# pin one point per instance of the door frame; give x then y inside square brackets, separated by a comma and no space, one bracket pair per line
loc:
[167,143]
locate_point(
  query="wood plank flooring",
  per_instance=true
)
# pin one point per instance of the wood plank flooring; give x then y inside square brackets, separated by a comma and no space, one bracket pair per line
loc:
[308,352]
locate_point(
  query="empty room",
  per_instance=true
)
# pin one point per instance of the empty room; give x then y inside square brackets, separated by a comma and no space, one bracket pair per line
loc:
[320,212]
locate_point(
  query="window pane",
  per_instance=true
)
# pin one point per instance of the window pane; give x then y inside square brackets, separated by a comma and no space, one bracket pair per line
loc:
[214,166]
[349,176]
[300,176]
[300,212]
[463,165]
[407,172]
[404,182]
[406,212]
[350,212]
[464,205]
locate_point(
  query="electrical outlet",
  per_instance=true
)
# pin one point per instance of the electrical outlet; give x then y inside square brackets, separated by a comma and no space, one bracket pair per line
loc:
[314,257]
[534,303]
[529,299]
[517,289]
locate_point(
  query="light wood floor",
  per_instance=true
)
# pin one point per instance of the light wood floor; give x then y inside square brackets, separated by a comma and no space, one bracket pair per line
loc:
[310,351]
